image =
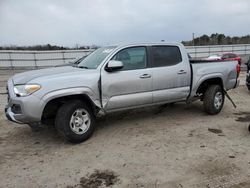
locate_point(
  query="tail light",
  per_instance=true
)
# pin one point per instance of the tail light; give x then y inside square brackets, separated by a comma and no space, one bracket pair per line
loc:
[238,69]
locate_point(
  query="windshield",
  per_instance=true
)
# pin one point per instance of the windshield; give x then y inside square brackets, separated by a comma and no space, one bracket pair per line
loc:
[93,60]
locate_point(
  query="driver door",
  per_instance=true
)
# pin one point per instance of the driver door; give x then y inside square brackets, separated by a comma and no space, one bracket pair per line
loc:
[130,86]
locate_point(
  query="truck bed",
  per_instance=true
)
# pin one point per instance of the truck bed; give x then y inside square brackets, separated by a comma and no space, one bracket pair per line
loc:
[207,69]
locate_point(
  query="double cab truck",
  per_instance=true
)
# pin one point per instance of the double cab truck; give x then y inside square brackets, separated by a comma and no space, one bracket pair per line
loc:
[116,78]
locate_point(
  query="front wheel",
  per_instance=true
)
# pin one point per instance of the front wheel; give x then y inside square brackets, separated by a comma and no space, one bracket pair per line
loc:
[213,99]
[75,120]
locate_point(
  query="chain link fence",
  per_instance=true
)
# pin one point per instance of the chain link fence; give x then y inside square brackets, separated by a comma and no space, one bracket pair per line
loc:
[205,51]
[37,59]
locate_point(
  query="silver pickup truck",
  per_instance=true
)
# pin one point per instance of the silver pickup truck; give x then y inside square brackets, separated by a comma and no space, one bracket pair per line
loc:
[116,78]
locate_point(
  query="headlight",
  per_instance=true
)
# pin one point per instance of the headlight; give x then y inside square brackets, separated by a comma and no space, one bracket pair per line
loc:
[25,90]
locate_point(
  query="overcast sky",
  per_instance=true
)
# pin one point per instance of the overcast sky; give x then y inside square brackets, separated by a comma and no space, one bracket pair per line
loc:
[103,22]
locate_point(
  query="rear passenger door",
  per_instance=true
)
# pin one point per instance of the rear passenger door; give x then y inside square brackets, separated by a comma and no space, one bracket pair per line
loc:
[171,74]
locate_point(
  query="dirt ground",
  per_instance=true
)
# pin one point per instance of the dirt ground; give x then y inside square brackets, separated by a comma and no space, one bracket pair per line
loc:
[161,147]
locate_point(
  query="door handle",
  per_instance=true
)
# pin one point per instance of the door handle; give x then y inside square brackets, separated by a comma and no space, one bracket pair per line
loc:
[145,76]
[182,72]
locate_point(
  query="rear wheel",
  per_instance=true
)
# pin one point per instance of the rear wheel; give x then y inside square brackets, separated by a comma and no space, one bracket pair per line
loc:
[213,99]
[75,120]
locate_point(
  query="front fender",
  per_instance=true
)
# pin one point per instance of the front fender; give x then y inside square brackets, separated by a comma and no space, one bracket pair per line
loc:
[71,91]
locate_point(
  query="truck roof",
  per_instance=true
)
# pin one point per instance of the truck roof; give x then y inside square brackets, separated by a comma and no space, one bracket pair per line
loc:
[146,44]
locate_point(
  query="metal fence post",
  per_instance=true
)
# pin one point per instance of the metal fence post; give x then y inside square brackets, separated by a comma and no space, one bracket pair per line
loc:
[11,63]
[36,67]
[63,56]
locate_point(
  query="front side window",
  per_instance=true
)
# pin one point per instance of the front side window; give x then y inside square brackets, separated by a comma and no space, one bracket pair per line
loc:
[132,58]
[166,56]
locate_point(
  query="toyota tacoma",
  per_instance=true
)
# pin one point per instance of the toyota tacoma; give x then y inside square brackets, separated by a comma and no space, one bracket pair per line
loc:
[116,78]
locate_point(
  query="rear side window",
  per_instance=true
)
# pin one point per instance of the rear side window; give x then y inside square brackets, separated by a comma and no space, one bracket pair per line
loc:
[166,56]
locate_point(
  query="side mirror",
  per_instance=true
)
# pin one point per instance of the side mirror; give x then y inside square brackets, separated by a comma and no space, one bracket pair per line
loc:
[113,65]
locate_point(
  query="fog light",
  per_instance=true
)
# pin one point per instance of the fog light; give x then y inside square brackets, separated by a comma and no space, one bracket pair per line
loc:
[16,109]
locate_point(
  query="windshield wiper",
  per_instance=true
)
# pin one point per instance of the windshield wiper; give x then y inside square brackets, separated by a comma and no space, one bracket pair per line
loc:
[83,67]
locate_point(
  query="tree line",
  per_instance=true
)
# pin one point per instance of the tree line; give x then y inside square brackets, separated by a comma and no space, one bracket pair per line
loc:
[213,39]
[46,47]
[217,39]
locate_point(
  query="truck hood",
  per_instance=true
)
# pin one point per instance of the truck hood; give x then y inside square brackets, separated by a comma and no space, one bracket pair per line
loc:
[25,77]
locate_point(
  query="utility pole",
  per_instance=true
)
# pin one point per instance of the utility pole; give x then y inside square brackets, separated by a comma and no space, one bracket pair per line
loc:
[193,39]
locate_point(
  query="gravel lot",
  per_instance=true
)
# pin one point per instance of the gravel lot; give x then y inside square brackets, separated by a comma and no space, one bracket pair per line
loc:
[169,146]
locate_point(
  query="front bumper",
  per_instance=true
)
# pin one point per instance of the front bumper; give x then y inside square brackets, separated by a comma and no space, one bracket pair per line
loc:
[30,107]
[10,115]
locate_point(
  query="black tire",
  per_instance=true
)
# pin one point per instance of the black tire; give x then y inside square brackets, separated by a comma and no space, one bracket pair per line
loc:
[248,87]
[210,105]
[249,127]
[63,121]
